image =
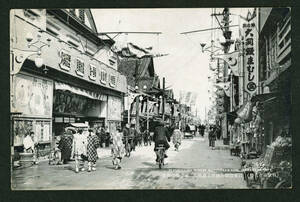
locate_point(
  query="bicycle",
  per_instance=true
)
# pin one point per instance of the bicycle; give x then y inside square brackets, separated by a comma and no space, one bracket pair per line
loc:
[160,155]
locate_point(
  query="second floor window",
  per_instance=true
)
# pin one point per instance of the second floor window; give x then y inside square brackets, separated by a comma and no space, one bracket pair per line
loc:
[79,67]
[81,15]
[112,81]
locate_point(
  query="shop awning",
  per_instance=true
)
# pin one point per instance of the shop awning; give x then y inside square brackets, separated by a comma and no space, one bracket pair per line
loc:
[79,91]
[264,97]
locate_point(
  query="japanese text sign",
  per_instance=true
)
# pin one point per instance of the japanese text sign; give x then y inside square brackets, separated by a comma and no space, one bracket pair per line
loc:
[250,54]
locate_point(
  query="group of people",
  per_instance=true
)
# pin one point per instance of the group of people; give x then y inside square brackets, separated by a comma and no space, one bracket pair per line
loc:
[81,144]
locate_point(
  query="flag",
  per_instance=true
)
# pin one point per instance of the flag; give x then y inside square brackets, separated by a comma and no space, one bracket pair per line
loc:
[150,107]
[193,98]
[131,97]
[232,59]
[224,85]
[245,112]
[227,89]
[187,97]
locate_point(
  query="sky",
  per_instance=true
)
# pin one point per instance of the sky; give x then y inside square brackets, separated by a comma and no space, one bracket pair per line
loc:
[186,67]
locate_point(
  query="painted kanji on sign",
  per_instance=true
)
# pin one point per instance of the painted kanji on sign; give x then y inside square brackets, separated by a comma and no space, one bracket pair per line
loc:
[250,54]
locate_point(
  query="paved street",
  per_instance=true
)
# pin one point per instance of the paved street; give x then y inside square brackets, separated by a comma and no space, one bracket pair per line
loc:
[195,166]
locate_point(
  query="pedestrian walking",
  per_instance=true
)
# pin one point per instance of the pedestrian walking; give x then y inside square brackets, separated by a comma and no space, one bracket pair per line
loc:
[212,137]
[176,138]
[65,145]
[107,136]
[79,148]
[30,146]
[92,145]
[132,138]
[118,149]
[102,137]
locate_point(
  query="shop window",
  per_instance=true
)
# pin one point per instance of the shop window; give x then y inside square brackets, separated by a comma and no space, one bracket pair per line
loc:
[65,63]
[103,76]
[92,75]
[32,14]
[72,11]
[112,82]
[79,67]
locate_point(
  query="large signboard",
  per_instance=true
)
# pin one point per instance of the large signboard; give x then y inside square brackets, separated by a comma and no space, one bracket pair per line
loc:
[114,108]
[250,53]
[32,96]
[41,129]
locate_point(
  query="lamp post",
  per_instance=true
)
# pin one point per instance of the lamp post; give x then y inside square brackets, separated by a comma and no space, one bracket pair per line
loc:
[137,110]
[145,88]
[18,56]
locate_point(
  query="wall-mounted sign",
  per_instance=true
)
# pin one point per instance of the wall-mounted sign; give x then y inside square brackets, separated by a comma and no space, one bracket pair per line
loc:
[79,67]
[250,52]
[33,96]
[65,62]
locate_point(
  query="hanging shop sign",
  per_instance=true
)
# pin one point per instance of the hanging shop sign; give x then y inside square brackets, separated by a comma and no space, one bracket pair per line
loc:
[32,96]
[250,53]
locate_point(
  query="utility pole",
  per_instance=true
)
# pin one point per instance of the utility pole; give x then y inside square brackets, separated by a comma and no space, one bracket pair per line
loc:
[163,100]
[147,114]
[226,45]
[137,120]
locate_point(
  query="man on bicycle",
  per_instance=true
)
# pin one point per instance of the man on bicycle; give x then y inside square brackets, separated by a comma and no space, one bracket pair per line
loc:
[161,136]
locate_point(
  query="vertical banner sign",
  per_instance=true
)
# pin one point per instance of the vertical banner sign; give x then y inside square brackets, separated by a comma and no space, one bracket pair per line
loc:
[188,98]
[250,53]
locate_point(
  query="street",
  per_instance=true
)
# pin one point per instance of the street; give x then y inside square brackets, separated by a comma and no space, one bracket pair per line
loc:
[195,166]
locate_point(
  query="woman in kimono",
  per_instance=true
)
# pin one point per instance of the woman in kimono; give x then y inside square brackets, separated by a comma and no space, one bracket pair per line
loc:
[176,138]
[79,149]
[118,149]
[65,145]
[92,144]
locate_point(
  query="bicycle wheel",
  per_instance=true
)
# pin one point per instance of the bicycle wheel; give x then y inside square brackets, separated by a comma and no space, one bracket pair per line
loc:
[160,164]
[129,150]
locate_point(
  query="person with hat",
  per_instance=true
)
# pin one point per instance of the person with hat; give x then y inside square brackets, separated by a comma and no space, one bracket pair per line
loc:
[118,148]
[79,149]
[161,136]
[92,144]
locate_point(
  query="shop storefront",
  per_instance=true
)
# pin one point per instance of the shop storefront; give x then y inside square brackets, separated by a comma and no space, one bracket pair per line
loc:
[62,85]
[77,105]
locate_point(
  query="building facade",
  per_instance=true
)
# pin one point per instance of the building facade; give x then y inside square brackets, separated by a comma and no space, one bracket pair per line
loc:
[275,70]
[61,73]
